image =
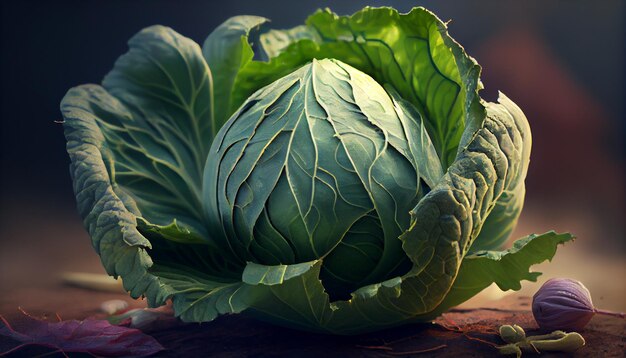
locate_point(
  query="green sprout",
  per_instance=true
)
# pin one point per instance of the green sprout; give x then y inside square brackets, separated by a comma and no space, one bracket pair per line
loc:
[557,341]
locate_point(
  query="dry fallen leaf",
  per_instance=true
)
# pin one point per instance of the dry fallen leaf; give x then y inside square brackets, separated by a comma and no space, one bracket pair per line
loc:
[96,337]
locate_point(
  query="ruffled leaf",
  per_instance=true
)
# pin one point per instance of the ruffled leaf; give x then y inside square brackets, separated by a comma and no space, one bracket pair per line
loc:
[135,149]
[106,216]
[412,52]
[156,116]
[276,41]
[505,268]
[507,209]
[227,51]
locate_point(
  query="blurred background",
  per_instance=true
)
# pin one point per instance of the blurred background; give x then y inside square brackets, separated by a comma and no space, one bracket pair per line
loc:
[562,62]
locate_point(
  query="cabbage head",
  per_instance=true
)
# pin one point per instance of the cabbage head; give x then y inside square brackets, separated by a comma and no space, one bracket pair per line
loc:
[343,176]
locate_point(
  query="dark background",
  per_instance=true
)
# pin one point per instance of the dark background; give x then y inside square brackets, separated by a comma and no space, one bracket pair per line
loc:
[561,61]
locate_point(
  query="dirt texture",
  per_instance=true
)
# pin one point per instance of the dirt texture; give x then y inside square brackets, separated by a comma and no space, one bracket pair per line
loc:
[460,332]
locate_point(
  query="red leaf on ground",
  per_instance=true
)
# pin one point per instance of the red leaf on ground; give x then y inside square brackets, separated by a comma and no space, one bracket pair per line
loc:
[96,337]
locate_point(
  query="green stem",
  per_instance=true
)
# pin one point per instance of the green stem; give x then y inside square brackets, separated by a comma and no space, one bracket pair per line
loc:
[553,335]
[569,343]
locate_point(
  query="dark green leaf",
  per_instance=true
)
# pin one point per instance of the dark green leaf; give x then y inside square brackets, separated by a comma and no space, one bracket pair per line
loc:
[227,51]
[156,118]
[505,268]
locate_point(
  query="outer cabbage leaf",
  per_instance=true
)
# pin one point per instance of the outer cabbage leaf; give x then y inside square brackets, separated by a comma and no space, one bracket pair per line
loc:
[155,114]
[446,222]
[227,51]
[411,52]
[504,268]
[155,262]
[106,216]
[136,146]
[503,218]
[274,42]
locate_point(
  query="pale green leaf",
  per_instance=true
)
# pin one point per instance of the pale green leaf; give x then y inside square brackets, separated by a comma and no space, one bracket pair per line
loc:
[172,232]
[275,41]
[256,274]
[507,209]
[505,268]
[227,51]
[412,52]
[447,221]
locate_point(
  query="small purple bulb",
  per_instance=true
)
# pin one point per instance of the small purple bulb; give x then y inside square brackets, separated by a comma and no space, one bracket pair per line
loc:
[563,304]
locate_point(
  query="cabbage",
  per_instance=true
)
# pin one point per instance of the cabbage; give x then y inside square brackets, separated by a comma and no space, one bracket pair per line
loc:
[352,180]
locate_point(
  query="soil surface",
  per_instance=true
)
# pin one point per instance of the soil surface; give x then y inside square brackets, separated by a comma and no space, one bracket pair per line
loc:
[468,332]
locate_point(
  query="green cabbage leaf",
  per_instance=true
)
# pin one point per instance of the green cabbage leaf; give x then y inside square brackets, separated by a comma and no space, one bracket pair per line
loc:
[351,181]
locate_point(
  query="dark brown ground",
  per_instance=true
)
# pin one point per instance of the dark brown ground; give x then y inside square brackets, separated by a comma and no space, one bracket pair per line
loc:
[461,332]
[454,334]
